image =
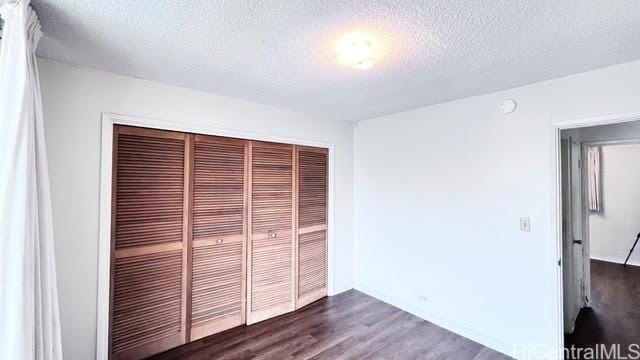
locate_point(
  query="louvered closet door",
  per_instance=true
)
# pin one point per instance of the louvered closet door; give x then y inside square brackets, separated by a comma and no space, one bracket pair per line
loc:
[271,289]
[312,225]
[219,235]
[149,233]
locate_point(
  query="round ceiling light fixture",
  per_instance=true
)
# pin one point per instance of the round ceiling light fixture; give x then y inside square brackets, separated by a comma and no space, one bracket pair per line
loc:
[358,50]
[507,106]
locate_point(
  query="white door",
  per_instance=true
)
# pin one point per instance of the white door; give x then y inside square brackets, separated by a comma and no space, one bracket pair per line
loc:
[572,250]
[577,227]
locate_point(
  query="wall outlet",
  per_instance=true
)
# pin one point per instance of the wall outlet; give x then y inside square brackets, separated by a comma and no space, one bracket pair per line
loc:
[423,298]
[525,224]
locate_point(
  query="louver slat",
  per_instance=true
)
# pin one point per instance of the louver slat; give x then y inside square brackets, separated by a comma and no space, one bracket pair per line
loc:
[149,190]
[149,242]
[271,255]
[218,273]
[312,225]
[312,188]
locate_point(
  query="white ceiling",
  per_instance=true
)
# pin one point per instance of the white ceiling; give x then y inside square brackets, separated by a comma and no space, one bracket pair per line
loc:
[278,52]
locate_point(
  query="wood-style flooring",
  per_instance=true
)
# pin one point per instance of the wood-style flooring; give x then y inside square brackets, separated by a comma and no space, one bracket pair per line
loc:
[614,316]
[350,325]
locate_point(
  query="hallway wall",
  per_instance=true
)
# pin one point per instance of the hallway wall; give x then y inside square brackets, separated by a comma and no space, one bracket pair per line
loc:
[613,231]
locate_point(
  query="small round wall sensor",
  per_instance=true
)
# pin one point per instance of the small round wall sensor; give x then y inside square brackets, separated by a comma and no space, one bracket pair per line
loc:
[507,106]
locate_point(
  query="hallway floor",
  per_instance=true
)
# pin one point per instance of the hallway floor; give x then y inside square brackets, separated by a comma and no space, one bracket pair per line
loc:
[615,314]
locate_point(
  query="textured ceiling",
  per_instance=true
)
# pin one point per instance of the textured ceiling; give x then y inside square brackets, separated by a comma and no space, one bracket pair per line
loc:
[278,52]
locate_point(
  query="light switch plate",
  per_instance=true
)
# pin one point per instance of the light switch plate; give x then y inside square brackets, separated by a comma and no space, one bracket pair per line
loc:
[525,224]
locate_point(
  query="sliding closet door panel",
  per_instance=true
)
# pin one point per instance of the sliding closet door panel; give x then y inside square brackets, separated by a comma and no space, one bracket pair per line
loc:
[271,256]
[149,242]
[312,225]
[219,233]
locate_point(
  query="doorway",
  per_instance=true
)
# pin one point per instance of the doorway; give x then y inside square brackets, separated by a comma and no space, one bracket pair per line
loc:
[600,221]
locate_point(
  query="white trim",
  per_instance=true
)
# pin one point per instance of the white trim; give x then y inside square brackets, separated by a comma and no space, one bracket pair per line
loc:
[480,338]
[104,242]
[615,259]
[104,246]
[596,120]
[612,142]
[556,233]
[556,203]
[340,288]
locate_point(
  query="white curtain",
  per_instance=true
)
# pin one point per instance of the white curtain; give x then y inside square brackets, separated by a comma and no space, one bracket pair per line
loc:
[593,177]
[29,319]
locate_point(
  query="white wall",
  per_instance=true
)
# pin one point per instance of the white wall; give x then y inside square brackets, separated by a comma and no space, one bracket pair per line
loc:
[613,231]
[75,97]
[438,195]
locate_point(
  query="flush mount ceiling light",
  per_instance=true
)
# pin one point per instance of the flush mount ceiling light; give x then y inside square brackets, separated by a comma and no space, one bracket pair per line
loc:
[358,50]
[507,106]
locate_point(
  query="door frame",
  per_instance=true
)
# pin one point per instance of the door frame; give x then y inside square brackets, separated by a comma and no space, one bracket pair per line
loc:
[106,163]
[556,126]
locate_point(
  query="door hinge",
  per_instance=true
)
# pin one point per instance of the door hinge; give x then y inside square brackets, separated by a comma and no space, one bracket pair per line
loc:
[579,163]
[559,262]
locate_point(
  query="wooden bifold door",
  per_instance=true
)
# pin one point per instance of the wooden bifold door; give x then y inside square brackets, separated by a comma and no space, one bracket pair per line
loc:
[219,235]
[272,246]
[312,224]
[150,241]
[209,233]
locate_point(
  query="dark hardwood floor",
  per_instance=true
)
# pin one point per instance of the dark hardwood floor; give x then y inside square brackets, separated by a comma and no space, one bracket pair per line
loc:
[614,317]
[351,325]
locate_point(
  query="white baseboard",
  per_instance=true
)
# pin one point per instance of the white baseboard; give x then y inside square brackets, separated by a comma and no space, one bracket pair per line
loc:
[340,289]
[483,339]
[615,259]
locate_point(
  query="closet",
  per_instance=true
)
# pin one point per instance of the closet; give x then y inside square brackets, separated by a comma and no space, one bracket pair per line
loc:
[209,233]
